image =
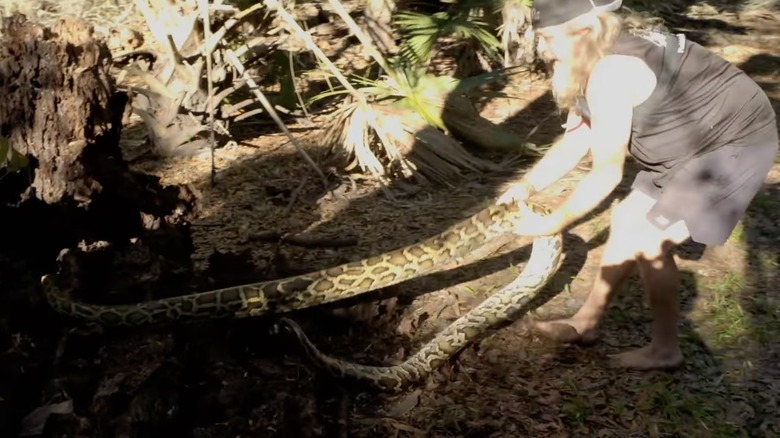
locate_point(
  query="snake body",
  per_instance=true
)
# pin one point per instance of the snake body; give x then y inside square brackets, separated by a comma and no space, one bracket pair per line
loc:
[501,307]
[346,281]
[301,291]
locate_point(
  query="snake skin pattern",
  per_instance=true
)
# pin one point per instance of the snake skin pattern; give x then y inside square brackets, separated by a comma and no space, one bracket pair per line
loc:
[346,281]
[501,307]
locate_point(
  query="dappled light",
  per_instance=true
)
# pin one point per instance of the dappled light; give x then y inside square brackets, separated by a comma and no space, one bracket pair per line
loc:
[325,174]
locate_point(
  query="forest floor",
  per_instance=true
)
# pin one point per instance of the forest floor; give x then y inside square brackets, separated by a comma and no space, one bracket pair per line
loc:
[233,379]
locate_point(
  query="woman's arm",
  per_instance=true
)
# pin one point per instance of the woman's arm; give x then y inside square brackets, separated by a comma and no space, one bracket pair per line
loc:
[610,98]
[561,158]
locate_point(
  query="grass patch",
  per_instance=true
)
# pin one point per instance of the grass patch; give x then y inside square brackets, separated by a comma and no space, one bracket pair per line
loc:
[765,203]
[677,409]
[738,234]
[768,260]
[725,318]
[450,419]
[577,409]
[661,405]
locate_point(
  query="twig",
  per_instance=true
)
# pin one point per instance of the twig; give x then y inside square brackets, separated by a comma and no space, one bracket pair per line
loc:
[294,197]
[311,45]
[265,236]
[231,56]
[355,29]
[539,125]
[203,5]
[304,241]
[297,92]
[319,242]
[211,43]
[343,420]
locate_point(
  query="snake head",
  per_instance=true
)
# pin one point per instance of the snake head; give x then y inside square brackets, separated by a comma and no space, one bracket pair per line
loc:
[538,207]
[49,283]
[515,208]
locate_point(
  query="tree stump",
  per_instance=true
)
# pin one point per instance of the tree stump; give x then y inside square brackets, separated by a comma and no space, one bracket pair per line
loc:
[60,108]
[126,231]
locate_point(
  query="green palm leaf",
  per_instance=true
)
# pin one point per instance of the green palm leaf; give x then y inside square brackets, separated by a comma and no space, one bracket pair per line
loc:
[420,32]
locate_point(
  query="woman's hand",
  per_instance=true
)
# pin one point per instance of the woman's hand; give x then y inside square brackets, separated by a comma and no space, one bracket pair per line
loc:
[531,223]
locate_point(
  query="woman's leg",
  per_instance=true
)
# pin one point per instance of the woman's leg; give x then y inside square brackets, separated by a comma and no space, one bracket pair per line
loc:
[661,284]
[615,267]
[711,193]
[714,190]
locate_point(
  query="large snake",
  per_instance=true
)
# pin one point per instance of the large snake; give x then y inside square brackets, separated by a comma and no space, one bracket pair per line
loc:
[501,307]
[346,281]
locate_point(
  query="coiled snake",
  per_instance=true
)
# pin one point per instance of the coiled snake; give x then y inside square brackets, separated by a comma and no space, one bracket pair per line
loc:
[349,280]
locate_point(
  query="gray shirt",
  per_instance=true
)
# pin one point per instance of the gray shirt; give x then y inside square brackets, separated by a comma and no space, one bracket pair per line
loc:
[701,102]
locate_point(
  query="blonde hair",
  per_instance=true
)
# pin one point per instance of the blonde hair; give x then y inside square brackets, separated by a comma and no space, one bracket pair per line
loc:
[569,84]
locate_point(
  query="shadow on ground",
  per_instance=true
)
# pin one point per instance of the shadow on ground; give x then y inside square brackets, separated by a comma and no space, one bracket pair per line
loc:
[756,316]
[231,378]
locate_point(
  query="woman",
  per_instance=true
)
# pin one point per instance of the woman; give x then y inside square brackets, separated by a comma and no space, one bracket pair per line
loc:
[702,131]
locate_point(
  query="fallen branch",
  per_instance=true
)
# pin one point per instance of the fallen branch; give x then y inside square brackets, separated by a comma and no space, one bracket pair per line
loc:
[319,242]
[302,240]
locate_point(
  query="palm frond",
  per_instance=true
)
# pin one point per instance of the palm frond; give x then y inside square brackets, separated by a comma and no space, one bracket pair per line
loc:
[420,32]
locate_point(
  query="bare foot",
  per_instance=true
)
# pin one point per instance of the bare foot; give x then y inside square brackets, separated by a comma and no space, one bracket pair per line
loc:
[648,358]
[569,330]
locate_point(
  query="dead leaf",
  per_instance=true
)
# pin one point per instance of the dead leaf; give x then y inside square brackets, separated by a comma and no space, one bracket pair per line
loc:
[554,397]
[405,405]
[34,422]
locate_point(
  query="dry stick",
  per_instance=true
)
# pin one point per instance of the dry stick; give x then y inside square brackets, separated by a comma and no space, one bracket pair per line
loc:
[343,420]
[297,93]
[272,112]
[302,240]
[161,32]
[311,45]
[203,5]
[294,197]
[319,242]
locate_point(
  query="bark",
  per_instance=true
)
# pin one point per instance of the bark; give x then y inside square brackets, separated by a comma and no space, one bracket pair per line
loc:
[61,109]
[58,103]
[125,232]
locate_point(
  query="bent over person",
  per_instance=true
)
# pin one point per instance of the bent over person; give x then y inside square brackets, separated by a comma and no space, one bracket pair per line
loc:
[703,133]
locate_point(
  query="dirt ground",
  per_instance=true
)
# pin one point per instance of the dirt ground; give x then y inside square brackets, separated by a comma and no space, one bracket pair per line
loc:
[233,378]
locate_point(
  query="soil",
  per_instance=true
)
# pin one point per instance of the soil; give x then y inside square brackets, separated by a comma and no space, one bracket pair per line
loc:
[237,378]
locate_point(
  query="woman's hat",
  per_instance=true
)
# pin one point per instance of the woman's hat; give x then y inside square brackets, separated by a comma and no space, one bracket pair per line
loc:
[554,12]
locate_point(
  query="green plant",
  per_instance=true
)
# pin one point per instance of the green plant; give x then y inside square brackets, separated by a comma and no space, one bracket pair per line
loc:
[11,160]
[421,32]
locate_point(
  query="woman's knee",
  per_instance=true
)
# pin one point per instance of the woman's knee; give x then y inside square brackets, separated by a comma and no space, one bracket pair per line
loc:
[654,251]
[621,244]
[632,209]
[641,241]
[656,245]
[627,215]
